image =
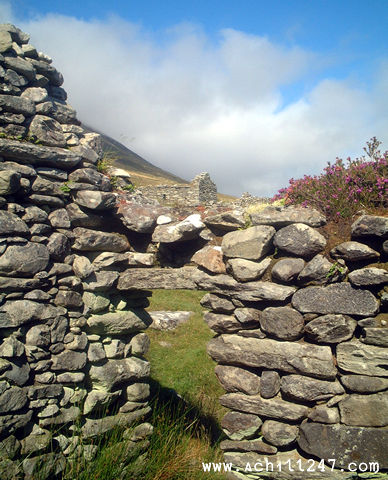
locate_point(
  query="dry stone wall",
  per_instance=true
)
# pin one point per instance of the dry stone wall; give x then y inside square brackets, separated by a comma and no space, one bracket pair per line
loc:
[300,333]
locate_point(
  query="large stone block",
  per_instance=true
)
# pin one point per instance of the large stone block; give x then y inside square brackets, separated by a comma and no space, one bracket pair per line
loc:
[119,323]
[24,260]
[93,240]
[299,239]
[365,410]
[109,376]
[280,217]
[165,278]
[306,389]
[251,244]
[357,357]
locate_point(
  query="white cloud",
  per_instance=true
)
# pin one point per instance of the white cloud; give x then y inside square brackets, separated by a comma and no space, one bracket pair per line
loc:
[188,103]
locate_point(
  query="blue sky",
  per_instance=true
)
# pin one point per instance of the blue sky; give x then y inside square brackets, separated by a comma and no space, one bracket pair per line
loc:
[255,92]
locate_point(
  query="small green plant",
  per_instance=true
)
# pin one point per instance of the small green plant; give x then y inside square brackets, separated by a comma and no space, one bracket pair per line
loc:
[334,269]
[129,188]
[113,181]
[66,187]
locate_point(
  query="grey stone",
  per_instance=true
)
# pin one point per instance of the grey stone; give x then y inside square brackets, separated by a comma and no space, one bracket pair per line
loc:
[47,130]
[88,175]
[18,373]
[68,299]
[299,239]
[11,224]
[354,252]
[269,384]
[114,349]
[9,182]
[71,378]
[26,152]
[138,391]
[331,328]
[65,415]
[364,383]
[246,270]
[272,408]
[240,426]
[92,240]
[375,336]
[217,303]
[12,400]
[162,278]
[210,258]
[9,447]
[98,400]
[247,446]
[311,360]
[11,347]
[284,323]
[34,215]
[79,342]
[324,414]
[100,281]
[10,423]
[21,66]
[5,41]
[69,360]
[226,221]
[337,298]
[111,260]
[19,312]
[44,391]
[333,441]
[250,244]
[366,277]
[138,218]
[139,344]
[36,94]
[356,357]
[96,352]
[280,217]
[25,260]
[59,218]
[108,376]
[187,229]
[370,225]
[119,323]
[319,271]
[14,104]
[37,441]
[162,320]
[95,200]
[95,302]
[47,200]
[43,186]
[365,410]
[58,246]
[300,388]
[220,323]
[235,379]
[79,218]
[137,259]
[38,335]
[278,433]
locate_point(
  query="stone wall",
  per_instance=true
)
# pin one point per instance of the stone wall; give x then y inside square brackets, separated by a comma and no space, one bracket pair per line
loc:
[201,191]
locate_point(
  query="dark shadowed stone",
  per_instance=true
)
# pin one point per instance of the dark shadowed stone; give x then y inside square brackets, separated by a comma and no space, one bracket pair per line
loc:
[13,399]
[272,408]
[287,269]
[240,426]
[9,182]
[247,446]
[93,240]
[10,423]
[21,66]
[226,221]
[298,387]
[220,323]
[25,152]
[58,246]
[235,379]
[299,239]
[345,444]
[336,298]
[366,277]
[269,384]
[280,217]
[8,284]
[217,303]
[87,175]
[278,433]
[365,410]
[69,360]
[68,299]
[138,218]
[18,373]
[331,328]
[100,281]
[354,252]
[14,104]
[210,258]
[113,373]
[375,336]
[11,224]
[356,357]
[311,360]
[364,383]
[48,131]
[368,225]
[251,244]
[319,271]
[95,200]
[119,323]
[246,270]
[24,260]
[165,278]
[282,322]
[79,218]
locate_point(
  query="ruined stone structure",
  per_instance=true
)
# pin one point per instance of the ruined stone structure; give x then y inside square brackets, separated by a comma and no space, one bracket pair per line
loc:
[201,191]
[301,337]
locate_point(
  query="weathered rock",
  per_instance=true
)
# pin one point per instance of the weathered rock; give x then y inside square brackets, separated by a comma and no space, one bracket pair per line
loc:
[79,218]
[298,387]
[235,379]
[21,66]
[95,200]
[58,246]
[12,400]
[69,360]
[368,277]
[356,357]
[280,217]
[282,322]
[311,360]
[66,415]
[165,278]
[82,267]
[139,345]
[11,347]
[324,414]
[299,239]
[246,270]
[375,336]
[365,410]
[60,111]
[9,182]
[168,320]
[251,244]
[247,446]
[248,316]
[96,352]
[370,225]
[11,224]
[364,383]
[47,130]
[226,221]
[114,349]
[339,298]
[18,373]
[138,391]
[222,323]
[210,258]
[59,218]
[138,218]
[95,302]
[98,400]
[278,433]
[92,240]
[10,423]
[272,408]
[19,312]
[240,426]
[13,104]
[38,335]
[108,376]
[100,281]
[35,94]
[269,384]
[24,260]
[37,441]
[119,323]
[354,252]
[331,328]
[319,271]
[187,229]
[333,441]
[217,303]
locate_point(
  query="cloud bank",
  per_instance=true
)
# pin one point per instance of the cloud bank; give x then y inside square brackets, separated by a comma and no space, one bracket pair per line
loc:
[189,103]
